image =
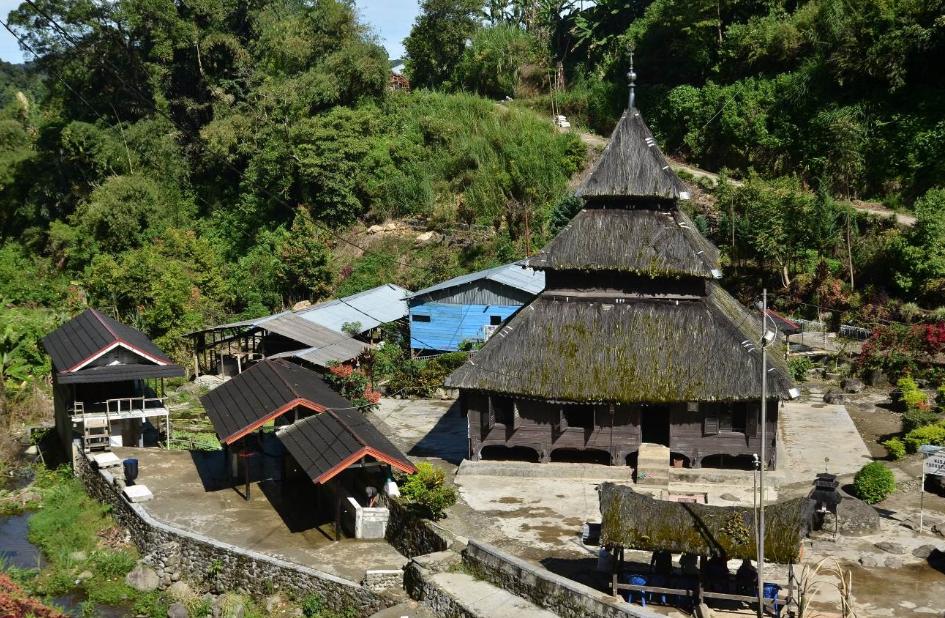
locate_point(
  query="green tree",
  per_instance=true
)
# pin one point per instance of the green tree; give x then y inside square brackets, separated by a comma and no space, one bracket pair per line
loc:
[490,65]
[438,39]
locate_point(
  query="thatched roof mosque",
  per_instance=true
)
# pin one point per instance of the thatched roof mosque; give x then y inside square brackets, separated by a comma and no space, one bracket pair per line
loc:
[631,310]
[636,521]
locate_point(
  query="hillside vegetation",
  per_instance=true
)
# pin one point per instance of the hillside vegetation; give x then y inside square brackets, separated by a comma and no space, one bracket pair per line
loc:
[179,164]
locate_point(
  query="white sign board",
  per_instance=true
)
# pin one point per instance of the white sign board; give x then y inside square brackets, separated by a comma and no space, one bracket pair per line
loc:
[935,464]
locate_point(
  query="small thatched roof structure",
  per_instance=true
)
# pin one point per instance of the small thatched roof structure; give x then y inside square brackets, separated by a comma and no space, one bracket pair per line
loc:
[632,166]
[646,350]
[636,521]
[642,241]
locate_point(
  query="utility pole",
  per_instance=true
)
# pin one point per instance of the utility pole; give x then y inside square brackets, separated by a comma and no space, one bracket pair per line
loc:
[763,464]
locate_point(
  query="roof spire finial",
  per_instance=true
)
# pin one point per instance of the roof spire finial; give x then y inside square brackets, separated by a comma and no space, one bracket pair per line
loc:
[632,77]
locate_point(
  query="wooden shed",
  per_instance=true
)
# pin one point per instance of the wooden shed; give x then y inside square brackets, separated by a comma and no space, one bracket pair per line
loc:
[633,340]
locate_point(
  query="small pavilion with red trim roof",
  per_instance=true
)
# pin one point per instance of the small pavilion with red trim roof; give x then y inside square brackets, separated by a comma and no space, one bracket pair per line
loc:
[321,436]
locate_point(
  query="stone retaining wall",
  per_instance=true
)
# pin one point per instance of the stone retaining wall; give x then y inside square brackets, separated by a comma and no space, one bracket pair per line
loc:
[419,584]
[181,554]
[413,536]
[560,595]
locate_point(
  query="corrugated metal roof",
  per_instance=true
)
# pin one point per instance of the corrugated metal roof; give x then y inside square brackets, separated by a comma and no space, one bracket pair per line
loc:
[90,333]
[514,275]
[339,351]
[322,444]
[371,308]
[262,391]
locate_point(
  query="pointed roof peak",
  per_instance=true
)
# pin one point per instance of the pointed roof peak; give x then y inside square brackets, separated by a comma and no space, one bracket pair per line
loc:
[632,166]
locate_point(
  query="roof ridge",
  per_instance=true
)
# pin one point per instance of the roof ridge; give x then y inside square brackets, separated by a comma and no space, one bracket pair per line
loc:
[356,435]
[280,361]
[100,317]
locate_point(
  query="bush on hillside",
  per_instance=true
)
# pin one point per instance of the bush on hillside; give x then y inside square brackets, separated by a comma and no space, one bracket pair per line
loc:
[917,417]
[799,366]
[928,434]
[895,447]
[874,482]
[427,491]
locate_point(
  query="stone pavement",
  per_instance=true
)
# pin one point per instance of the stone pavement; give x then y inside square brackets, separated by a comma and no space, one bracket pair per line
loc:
[188,494]
[425,427]
[813,432]
[485,599]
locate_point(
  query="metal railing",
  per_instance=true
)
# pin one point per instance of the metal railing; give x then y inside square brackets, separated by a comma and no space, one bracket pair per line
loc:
[117,406]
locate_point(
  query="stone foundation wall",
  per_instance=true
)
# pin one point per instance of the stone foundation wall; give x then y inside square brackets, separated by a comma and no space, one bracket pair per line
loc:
[413,536]
[562,596]
[420,585]
[181,554]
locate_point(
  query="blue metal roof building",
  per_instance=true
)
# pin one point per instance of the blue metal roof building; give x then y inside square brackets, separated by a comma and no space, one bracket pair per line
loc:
[470,307]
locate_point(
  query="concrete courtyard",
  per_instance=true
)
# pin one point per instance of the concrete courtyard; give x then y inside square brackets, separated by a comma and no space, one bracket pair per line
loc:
[189,493]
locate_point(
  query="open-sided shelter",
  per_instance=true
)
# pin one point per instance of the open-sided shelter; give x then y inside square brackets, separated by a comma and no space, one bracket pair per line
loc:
[229,349]
[324,439]
[107,378]
[632,341]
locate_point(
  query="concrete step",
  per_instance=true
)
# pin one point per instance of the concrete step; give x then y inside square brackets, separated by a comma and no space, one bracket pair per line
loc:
[653,465]
[596,472]
[483,599]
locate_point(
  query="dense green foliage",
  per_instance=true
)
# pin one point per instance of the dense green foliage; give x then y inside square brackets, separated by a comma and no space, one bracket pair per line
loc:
[179,165]
[428,492]
[874,482]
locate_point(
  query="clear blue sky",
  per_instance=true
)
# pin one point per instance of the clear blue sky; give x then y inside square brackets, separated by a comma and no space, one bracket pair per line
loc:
[390,19]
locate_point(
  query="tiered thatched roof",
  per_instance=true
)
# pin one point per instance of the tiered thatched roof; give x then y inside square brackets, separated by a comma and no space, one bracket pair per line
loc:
[636,521]
[641,241]
[646,350]
[632,166]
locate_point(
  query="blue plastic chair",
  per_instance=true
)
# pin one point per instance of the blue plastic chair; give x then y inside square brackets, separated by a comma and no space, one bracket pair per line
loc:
[636,580]
[770,592]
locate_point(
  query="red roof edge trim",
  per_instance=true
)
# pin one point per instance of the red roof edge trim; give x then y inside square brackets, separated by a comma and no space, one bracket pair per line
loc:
[160,360]
[303,403]
[403,466]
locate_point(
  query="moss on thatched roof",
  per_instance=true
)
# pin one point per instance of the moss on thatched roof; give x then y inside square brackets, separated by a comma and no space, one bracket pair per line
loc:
[641,350]
[641,241]
[632,165]
[636,521]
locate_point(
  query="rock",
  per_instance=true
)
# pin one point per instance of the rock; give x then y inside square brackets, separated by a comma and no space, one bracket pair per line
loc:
[375,229]
[180,591]
[78,556]
[177,610]
[271,603]
[893,562]
[834,395]
[852,385]
[428,237]
[938,529]
[302,304]
[856,518]
[142,578]
[703,611]
[924,551]
[85,575]
[891,547]
[875,377]
[32,450]
[729,497]
[869,561]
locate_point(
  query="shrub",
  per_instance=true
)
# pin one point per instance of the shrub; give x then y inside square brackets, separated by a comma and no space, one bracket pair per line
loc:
[895,447]
[928,434]
[428,491]
[910,394]
[874,482]
[799,366]
[918,417]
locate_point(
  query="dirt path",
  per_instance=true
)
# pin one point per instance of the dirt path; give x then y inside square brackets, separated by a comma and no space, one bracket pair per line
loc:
[873,208]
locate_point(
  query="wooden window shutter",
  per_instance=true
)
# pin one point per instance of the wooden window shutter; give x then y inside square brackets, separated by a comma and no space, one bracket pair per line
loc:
[562,420]
[710,425]
[751,420]
[488,420]
[516,417]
